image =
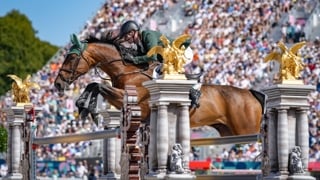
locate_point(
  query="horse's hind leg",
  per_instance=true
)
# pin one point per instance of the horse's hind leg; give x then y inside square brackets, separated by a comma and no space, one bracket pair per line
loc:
[222,129]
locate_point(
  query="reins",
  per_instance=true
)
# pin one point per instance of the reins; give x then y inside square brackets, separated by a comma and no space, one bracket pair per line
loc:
[140,71]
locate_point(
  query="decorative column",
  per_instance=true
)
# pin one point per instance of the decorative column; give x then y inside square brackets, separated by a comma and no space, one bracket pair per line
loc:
[152,151]
[183,133]
[303,136]
[287,103]
[162,138]
[169,126]
[111,146]
[272,141]
[15,117]
[292,123]
[283,141]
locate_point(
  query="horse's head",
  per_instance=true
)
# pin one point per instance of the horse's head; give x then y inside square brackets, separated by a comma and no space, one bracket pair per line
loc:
[74,65]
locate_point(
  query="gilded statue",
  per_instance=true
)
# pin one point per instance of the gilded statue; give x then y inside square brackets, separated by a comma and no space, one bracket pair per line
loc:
[172,54]
[290,62]
[21,88]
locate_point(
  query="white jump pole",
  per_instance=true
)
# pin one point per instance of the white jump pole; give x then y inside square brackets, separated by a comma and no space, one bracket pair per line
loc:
[78,137]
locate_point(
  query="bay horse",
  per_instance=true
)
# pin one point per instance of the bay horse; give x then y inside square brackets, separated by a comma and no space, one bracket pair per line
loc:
[230,110]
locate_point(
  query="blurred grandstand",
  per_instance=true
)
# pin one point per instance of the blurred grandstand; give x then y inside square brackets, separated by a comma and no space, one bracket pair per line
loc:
[230,38]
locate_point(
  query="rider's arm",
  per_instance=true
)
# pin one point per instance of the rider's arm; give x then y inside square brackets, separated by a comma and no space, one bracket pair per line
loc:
[149,40]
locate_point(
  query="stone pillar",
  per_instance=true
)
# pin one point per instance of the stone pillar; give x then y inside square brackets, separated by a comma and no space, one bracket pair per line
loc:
[184,132]
[169,125]
[109,156]
[287,127]
[111,146]
[292,127]
[272,141]
[303,136]
[283,141]
[152,151]
[162,138]
[15,142]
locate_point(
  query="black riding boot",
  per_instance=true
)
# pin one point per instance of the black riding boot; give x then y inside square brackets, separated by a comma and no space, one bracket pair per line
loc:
[194,97]
[159,69]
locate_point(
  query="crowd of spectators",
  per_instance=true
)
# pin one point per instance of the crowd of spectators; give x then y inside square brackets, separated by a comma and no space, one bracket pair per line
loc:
[229,40]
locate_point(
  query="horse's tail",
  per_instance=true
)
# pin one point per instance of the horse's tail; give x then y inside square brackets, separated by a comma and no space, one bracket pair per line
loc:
[262,98]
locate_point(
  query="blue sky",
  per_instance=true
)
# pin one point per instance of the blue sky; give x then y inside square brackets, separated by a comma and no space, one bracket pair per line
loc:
[55,20]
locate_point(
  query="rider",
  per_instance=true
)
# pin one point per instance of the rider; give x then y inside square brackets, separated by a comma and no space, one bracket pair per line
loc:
[143,41]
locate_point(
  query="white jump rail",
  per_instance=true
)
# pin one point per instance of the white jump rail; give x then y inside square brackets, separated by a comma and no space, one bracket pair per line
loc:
[240,139]
[222,174]
[77,137]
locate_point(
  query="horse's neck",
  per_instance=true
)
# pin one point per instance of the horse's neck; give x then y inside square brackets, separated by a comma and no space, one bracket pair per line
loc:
[113,64]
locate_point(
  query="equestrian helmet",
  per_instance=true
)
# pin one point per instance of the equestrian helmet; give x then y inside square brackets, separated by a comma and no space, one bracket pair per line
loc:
[127,27]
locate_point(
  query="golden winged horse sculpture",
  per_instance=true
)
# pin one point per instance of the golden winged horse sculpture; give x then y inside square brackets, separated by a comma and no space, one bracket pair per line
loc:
[172,54]
[21,88]
[290,62]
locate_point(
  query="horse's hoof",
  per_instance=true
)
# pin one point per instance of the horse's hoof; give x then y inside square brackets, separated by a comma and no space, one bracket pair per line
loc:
[83,113]
[80,103]
[95,118]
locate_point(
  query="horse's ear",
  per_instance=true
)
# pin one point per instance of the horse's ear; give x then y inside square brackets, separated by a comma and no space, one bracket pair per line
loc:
[72,38]
[75,41]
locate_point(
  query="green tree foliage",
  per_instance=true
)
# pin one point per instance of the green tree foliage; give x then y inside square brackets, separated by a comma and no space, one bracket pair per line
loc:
[21,52]
[3,139]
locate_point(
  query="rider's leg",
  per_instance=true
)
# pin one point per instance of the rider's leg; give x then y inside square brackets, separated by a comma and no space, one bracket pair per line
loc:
[157,71]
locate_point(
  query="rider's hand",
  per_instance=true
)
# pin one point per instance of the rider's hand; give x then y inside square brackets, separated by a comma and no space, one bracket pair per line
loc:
[135,60]
[129,57]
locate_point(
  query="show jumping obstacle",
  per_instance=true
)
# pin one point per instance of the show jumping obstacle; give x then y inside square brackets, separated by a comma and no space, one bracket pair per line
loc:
[21,162]
[285,128]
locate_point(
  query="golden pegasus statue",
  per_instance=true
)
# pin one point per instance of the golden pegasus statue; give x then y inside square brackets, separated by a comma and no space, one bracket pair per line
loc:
[172,54]
[290,62]
[21,88]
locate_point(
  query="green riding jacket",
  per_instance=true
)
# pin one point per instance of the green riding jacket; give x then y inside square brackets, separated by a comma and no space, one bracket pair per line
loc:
[150,39]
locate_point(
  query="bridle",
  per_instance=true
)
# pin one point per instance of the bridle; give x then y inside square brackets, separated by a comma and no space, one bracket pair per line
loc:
[73,71]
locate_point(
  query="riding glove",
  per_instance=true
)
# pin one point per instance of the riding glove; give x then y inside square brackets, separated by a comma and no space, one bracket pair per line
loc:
[135,60]
[129,57]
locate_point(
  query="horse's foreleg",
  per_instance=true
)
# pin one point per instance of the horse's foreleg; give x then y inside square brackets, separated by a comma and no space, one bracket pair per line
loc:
[93,102]
[112,94]
[80,103]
